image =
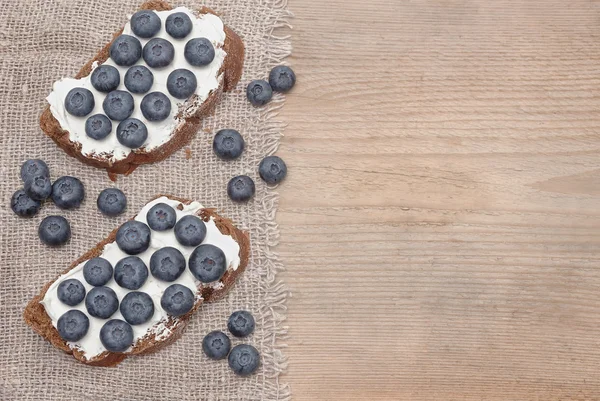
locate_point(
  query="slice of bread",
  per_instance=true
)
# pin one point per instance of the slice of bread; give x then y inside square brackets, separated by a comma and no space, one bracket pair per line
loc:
[35,314]
[192,111]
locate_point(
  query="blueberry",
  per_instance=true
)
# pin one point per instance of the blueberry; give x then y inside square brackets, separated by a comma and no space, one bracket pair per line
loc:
[145,23]
[199,52]
[132,133]
[228,144]
[54,230]
[167,264]
[73,325]
[105,78]
[241,323]
[259,92]
[181,83]
[79,102]
[34,167]
[131,272]
[190,231]
[133,237]
[116,335]
[161,217]
[70,292]
[177,300]
[155,106]
[138,79]
[178,25]
[137,307]
[216,345]
[118,105]
[241,188]
[126,50]
[207,263]
[23,205]
[38,187]
[244,359]
[158,53]
[112,202]
[282,78]
[272,169]
[101,302]
[67,192]
[97,271]
[98,126]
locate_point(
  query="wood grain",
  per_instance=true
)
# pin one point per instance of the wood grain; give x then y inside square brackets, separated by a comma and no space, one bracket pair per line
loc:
[441,218]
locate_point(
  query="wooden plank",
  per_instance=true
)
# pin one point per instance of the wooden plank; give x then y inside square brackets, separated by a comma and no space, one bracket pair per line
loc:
[440,221]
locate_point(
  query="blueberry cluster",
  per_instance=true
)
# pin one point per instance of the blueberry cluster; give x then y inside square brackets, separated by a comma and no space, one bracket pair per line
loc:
[228,144]
[126,51]
[243,359]
[281,79]
[207,264]
[66,192]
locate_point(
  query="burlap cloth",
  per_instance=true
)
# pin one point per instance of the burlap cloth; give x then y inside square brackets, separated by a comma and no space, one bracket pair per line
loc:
[43,40]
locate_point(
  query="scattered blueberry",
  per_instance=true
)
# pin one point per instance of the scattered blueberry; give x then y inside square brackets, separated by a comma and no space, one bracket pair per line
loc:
[177,300]
[112,202]
[145,23]
[34,167]
[216,345]
[178,25]
[228,144]
[241,188]
[126,50]
[97,271]
[244,359]
[70,292]
[23,205]
[207,263]
[161,217]
[79,102]
[282,78]
[181,83]
[67,192]
[199,52]
[131,272]
[259,92]
[158,53]
[54,230]
[167,264]
[38,187]
[272,169]
[190,230]
[133,237]
[73,325]
[132,133]
[118,105]
[116,335]
[241,323]
[137,307]
[105,78]
[101,302]
[98,126]
[156,106]
[138,79]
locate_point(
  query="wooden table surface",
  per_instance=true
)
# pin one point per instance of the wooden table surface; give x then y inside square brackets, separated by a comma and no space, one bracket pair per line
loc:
[440,221]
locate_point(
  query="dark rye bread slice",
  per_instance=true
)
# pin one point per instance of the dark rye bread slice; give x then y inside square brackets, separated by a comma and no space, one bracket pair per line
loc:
[231,70]
[35,314]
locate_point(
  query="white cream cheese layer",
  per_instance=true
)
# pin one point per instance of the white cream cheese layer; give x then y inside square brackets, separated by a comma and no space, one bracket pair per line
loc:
[206,26]
[90,345]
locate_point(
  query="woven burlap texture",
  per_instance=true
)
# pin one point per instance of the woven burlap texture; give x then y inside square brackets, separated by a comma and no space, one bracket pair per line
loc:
[42,41]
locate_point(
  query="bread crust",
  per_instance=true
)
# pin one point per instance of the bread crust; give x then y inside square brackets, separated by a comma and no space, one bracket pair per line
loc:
[36,317]
[183,133]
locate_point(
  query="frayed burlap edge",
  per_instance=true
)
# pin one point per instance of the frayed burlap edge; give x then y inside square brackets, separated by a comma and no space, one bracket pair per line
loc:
[280,47]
